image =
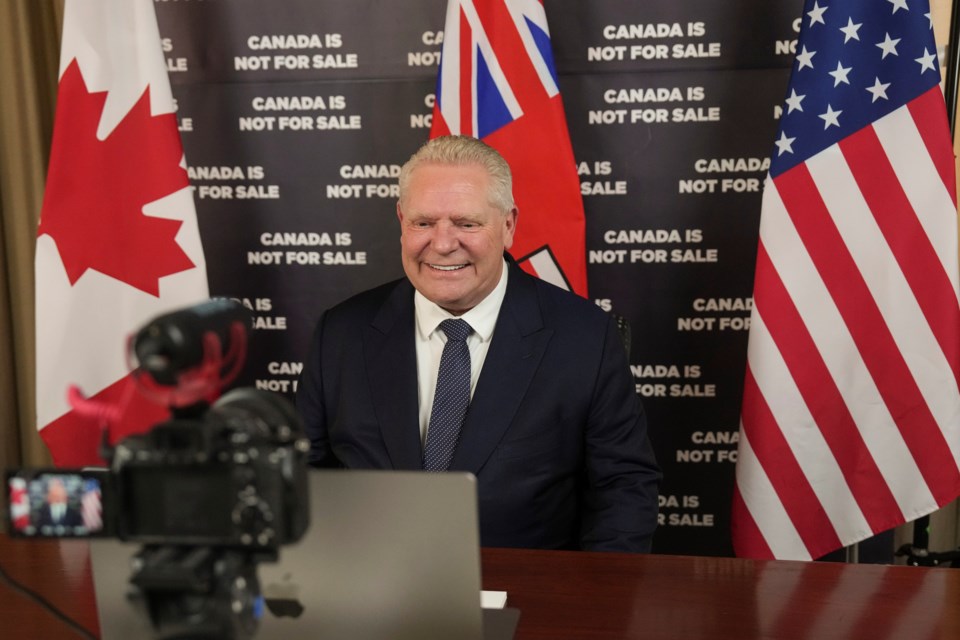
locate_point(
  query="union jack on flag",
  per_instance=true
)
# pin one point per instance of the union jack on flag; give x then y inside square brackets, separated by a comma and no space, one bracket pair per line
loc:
[497,82]
[851,410]
[474,93]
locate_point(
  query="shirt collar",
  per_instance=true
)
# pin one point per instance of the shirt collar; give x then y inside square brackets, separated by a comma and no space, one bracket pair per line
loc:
[482,318]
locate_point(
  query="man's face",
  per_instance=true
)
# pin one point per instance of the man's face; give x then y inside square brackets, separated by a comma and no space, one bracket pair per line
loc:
[452,240]
[56,492]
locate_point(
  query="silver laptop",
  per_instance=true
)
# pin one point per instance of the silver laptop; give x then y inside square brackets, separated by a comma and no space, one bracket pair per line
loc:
[387,555]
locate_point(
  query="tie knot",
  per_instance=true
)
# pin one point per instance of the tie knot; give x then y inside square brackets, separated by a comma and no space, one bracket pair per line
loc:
[456,330]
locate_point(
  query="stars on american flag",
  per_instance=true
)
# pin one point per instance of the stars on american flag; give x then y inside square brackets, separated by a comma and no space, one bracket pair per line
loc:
[830,117]
[853,376]
[805,58]
[878,90]
[926,61]
[816,14]
[899,4]
[888,46]
[840,74]
[793,102]
[861,64]
[784,144]
[850,31]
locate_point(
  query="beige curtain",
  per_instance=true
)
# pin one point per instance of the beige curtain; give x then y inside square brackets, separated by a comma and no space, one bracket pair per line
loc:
[29,50]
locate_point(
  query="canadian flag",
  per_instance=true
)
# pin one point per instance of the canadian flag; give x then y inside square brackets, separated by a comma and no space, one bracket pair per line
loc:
[118,241]
[19,504]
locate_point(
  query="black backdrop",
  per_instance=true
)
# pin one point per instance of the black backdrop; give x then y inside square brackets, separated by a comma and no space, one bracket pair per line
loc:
[296,114]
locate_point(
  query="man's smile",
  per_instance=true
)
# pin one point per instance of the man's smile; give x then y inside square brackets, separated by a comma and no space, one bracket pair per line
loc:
[446,267]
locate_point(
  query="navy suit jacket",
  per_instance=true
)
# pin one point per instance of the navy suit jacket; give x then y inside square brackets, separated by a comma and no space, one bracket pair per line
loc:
[71,517]
[555,433]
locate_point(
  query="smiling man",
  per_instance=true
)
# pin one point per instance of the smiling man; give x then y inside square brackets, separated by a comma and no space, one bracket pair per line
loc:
[453,236]
[470,364]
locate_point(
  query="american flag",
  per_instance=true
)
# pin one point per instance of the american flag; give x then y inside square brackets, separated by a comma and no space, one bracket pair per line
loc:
[497,82]
[851,411]
[91,506]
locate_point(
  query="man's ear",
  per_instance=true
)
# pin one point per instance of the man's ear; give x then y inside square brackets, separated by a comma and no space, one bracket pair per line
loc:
[510,227]
[399,212]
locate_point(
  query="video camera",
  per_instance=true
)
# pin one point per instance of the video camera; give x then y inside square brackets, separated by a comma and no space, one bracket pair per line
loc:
[212,491]
[231,477]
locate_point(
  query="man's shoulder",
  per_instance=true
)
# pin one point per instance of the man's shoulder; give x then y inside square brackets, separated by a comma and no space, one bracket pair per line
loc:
[364,306]
[555,301]
[370,298]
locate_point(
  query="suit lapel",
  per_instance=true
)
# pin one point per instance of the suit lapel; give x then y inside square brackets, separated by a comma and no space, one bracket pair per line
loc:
[390,356]
[519,342]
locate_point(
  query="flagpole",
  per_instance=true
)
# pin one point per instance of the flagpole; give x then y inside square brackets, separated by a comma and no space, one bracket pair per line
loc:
[953,67]
[921,526]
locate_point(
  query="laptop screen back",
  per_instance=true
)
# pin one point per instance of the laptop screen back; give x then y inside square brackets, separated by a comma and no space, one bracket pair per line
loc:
[387,555]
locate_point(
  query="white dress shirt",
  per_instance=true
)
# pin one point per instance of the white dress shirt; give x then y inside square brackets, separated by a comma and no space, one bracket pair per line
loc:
[57,511]
[430,340]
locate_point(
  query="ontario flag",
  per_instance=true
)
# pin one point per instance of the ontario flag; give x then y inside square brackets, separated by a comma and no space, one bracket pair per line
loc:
[497,82]
[118,240]
[851,410]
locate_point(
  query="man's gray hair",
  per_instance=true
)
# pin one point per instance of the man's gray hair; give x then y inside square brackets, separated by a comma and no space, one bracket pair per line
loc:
[460,151]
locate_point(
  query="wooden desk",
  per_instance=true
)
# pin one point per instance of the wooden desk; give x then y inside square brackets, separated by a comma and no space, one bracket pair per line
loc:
[572,595]
[589,595]
[57,570]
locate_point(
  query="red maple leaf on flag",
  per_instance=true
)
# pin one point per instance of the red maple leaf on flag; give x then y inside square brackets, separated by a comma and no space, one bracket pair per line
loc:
[96,190]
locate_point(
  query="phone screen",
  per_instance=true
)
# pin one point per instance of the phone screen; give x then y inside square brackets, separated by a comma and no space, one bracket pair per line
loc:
[56,503]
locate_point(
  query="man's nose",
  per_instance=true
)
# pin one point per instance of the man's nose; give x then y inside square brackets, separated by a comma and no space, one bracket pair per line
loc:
[445,238]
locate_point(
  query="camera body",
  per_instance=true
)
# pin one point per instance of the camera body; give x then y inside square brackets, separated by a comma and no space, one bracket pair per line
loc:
[231,476]
[209,493]
[228,474]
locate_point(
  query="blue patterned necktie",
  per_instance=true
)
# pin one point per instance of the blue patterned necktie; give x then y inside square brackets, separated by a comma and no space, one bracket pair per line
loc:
[451,398]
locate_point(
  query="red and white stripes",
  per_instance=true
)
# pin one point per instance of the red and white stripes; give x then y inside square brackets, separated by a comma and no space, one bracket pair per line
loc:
[851,414]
